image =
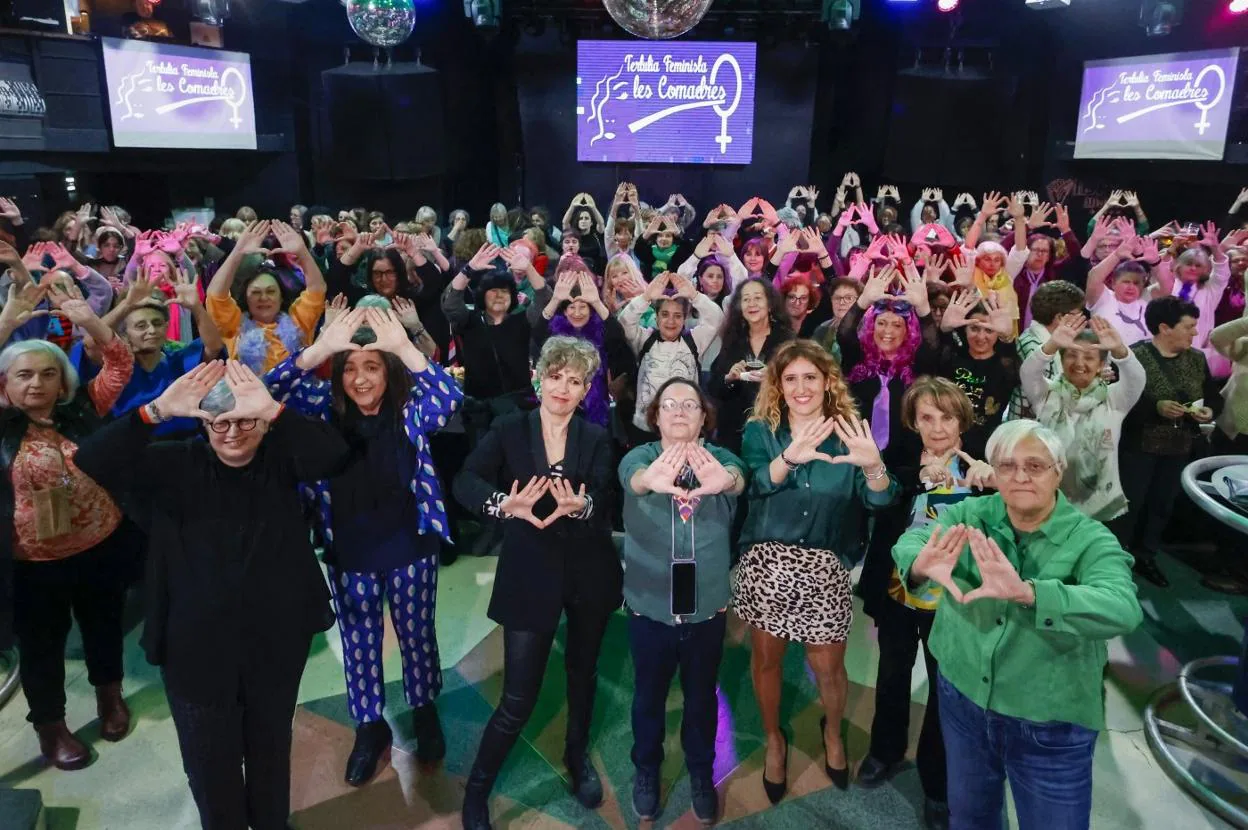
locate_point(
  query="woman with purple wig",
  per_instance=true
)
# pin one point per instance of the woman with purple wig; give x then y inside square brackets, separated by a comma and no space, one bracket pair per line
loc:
[574,308]
[883,338]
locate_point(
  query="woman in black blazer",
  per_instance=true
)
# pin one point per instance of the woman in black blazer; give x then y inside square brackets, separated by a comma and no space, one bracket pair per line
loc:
[549,475]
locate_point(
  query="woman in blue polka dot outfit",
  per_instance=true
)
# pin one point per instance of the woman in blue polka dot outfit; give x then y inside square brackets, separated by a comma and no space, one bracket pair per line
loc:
[381,517]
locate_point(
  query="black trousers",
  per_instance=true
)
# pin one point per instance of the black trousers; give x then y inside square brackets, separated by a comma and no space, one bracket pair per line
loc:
[1151,485]
[525,654]
[47,596]
[236,753]
[901,630]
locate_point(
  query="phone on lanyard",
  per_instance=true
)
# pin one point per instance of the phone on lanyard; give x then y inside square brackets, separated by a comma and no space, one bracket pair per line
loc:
[684,588]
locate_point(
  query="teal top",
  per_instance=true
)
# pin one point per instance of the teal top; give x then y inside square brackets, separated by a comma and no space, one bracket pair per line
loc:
[655,534]
[1044,663]
[819,505]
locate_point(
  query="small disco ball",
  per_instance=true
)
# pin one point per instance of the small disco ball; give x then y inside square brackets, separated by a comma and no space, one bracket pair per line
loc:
[657,19]
[382,22]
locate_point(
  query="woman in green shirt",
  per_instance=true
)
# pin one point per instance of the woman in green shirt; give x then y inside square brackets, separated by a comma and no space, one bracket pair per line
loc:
[679,497]
[1020,635]
[812,464]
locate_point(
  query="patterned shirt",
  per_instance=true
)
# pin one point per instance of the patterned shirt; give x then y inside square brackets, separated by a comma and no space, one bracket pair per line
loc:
[434,397]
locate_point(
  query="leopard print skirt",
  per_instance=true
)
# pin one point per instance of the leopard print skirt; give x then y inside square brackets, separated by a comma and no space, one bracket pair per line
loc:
[792,592]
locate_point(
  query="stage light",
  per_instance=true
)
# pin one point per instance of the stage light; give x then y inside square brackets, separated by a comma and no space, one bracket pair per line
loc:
[1238,6]
[946,5]
[840,14]
[1048,4]
[1159,17]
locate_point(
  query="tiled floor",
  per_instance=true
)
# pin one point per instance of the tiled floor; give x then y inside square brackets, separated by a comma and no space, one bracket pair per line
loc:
[138,784]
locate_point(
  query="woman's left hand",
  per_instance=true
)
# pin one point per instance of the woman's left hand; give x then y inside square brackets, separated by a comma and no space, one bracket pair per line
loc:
[251,396]
[1203,415]
[185,291]
[567,500]
[856,436]
[998,579]
[391,336]
[979,474]
[713,477]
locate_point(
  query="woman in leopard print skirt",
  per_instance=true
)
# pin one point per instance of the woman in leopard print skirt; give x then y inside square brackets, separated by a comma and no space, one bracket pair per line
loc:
[813,465]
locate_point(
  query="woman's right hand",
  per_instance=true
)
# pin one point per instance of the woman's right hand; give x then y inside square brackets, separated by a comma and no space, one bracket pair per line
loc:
[1171,409]
[939,557]
[519,502]
[806,441]
[182,397]
[660,476]
[335,337]
[734,373]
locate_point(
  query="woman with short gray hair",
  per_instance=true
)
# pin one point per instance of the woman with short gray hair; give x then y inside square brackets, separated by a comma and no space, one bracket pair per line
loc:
[1020,635]
[548,475]
[231,573]
[61,531]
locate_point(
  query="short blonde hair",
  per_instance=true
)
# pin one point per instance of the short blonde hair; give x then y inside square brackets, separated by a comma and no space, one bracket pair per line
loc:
[231,228]
[572,353]
[944,394]
[769,405]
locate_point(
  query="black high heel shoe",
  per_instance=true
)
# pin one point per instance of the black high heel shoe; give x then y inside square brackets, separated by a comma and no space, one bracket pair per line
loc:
[840,777]
[775,791]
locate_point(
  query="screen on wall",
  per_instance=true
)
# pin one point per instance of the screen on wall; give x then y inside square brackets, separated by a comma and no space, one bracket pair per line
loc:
[178,97]
[680,102]
[1175,106]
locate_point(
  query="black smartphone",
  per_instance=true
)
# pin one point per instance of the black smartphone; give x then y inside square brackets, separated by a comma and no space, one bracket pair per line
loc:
[684,588]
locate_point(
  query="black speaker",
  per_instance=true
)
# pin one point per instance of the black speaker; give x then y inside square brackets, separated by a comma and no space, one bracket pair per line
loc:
[384,123]
[45,15]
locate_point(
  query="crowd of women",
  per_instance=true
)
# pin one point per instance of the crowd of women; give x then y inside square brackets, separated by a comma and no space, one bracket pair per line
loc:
[986,412]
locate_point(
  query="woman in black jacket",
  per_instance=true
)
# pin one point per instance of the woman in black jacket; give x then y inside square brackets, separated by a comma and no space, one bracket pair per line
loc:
[234,592]
[549,475]
[755,326]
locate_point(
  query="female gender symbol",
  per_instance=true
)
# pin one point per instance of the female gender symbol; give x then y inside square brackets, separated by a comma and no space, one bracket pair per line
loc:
[1204,106]
[723,139]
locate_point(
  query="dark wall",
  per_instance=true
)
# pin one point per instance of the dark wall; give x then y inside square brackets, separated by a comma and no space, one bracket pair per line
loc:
[784,101]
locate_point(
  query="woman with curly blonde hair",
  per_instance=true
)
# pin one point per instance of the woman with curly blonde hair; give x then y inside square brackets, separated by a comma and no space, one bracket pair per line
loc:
[813,464]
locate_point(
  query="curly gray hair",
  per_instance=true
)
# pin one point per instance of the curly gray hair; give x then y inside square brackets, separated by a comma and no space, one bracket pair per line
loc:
[572,353]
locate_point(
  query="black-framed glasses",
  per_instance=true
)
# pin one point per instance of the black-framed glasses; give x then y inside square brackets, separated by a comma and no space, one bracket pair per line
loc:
[222,427]
[896,306]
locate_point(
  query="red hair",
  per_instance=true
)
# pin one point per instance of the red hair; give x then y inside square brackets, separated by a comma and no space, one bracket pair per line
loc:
[799,280]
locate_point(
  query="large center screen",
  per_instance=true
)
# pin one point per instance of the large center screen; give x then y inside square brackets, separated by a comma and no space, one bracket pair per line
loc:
[178,97]
[1174,106]
[678,102]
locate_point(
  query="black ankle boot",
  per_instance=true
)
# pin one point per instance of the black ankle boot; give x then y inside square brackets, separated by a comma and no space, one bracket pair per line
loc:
[371,742]
[476,812]
[586,785]
[430,742]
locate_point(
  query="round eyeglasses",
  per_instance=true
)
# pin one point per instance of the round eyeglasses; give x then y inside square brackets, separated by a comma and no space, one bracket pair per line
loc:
[221,427]
[688,405]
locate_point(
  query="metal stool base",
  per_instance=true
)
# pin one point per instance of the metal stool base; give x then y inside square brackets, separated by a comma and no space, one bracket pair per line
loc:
[1210,740]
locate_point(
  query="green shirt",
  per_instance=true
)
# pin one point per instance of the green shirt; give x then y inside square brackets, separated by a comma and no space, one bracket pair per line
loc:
[819,505]
[1044,663]
[654,535]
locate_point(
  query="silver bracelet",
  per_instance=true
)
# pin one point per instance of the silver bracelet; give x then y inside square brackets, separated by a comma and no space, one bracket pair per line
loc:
[881,473]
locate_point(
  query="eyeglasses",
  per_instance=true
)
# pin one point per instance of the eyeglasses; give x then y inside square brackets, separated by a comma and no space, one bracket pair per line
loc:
[798,298]
[689,405]
[1031,467]
[897,306]
[383,272]
[221,427]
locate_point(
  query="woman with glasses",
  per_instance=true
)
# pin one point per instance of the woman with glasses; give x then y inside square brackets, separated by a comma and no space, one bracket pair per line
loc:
[754,327]
[380,517]
[274,326]
[549,476]
[801,296]
[679,496]
[234,591]
[1083,410]
[63,532]
[813,467]
[1033,590]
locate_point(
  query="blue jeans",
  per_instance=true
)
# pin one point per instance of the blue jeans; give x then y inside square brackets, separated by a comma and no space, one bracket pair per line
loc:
[658,650]
[1049,766]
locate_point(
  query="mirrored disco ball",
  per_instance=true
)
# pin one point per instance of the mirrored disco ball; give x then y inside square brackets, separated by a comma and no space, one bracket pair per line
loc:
[382,22]
[657,19]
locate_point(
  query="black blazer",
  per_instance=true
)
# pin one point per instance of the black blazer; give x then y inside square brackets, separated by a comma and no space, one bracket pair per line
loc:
[572,562]
[233,585]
